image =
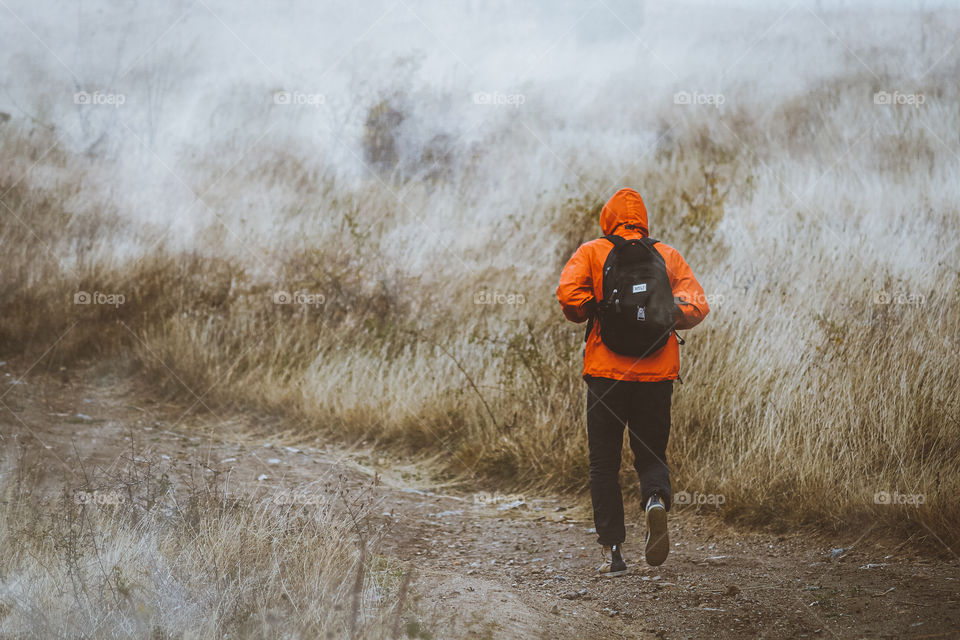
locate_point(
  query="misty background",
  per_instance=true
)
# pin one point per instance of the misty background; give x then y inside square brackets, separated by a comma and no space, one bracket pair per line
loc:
[199,79]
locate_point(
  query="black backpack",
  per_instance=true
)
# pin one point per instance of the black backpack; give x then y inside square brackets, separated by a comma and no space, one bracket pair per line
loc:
[637,312]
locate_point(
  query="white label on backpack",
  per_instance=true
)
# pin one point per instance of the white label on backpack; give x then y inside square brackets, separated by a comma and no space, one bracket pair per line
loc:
[639,288]
[641,314]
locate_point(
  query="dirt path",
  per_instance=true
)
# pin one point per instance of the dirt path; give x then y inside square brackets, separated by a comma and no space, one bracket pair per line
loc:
[499,569]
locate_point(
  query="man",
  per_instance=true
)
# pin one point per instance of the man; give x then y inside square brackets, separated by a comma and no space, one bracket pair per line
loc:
[629,390]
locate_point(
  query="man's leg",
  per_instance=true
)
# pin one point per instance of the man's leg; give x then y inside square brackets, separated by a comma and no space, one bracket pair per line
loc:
[606,415]
[649,427]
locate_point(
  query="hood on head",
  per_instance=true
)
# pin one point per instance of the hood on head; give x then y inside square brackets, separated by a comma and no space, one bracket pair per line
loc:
[625,207]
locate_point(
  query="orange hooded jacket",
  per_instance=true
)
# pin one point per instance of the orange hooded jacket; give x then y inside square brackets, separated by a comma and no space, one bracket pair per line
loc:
[582,281]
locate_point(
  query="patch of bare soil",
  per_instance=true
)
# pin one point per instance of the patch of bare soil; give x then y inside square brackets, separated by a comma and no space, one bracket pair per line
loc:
[497,566]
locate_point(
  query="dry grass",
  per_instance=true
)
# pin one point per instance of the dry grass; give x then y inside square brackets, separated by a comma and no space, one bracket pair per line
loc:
[805,395]
[141,558]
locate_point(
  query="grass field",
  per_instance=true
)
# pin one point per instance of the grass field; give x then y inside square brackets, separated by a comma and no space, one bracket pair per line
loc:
[818,210]
[127,557]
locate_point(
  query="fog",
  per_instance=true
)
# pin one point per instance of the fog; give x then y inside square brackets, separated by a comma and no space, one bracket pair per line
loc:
[151,90]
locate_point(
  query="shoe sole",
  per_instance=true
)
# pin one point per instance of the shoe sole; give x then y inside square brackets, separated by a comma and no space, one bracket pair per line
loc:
[658,541]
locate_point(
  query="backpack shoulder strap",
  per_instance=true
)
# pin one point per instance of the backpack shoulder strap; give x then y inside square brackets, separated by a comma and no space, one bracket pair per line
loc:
[616,241]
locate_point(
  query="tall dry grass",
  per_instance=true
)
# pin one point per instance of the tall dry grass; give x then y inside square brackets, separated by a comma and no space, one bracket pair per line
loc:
[818,221]
[132,555]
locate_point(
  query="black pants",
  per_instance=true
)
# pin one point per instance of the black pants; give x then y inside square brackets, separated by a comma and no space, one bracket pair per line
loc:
[644,408]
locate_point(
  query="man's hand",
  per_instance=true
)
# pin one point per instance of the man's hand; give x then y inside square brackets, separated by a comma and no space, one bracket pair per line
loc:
[677,314]
[590,307]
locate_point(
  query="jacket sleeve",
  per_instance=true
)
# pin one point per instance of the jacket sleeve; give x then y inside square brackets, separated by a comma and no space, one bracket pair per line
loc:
[687,292]
[576,286]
